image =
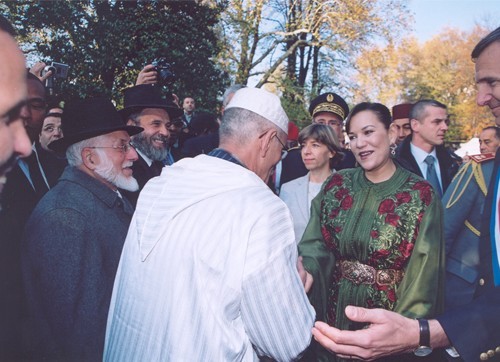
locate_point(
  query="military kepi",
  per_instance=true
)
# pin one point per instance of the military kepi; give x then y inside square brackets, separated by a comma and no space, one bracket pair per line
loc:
[329,102]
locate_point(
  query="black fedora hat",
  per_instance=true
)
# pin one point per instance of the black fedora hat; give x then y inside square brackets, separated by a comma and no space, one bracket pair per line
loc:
[86,118]
[147,96]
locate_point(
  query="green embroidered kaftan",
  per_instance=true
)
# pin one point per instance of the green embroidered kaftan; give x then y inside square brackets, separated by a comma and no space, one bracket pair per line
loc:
[395,224]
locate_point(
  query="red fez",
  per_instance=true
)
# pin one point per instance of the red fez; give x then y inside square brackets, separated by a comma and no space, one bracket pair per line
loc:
[401,111]
[293,131]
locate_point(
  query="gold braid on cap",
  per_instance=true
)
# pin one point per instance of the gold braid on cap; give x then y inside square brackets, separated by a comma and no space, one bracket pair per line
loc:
[329,107]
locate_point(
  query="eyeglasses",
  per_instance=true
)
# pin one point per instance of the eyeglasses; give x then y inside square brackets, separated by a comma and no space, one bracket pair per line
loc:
[124,148]
[284,148]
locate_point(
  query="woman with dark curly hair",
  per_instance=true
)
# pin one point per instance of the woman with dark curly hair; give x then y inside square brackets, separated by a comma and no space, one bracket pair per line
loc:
[375,235]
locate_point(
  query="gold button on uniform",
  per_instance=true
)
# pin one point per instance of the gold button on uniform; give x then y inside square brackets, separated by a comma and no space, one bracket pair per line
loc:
[481,281]
[483,357]
[491,353]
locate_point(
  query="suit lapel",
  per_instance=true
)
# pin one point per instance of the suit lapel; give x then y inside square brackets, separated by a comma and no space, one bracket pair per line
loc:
[302,195]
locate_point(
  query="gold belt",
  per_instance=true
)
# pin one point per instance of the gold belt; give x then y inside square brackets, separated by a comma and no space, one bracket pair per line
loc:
[359,273]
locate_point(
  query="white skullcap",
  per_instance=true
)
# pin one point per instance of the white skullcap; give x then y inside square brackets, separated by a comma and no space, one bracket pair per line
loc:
[263,103]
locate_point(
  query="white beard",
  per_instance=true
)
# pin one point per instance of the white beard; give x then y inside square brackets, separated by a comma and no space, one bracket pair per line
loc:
[106,171]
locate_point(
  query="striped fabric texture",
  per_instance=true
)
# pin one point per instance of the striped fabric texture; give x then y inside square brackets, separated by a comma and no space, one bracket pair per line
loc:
[208,271]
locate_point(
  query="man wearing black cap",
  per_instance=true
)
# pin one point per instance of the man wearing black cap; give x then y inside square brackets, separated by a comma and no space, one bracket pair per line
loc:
[329,109]
[74,237]
[144,106]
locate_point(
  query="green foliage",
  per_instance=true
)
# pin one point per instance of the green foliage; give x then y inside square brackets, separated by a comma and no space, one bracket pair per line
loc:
[107,43]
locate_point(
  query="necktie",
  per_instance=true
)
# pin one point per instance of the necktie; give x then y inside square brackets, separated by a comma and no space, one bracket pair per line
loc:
[432,175]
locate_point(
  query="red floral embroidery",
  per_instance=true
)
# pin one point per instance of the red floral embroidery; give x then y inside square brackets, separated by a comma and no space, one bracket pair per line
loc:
[346,204]
[403,198]
[392,219]
[340,194]
[386,206]
[334,213]
[425,191]
[337,180]
[374,234]
[405,248]
[380,254]
[391,295]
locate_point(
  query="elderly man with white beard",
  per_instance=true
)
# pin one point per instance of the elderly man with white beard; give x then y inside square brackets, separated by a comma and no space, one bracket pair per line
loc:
[74,237]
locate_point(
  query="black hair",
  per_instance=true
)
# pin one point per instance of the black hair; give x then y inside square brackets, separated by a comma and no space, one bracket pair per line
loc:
[494,128]
[382,112]
[485,42]
[6,26]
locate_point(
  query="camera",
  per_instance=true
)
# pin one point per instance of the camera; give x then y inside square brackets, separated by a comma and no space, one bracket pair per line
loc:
[166,75]
[59,70]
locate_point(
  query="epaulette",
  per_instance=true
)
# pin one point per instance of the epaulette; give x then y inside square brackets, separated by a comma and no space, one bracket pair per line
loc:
[476,172]
[482,157]
[294,148]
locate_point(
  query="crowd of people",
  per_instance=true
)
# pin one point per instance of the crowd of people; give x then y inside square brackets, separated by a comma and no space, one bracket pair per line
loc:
[160,232]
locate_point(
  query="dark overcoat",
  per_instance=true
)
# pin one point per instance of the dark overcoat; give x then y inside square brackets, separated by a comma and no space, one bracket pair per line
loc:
[69,256]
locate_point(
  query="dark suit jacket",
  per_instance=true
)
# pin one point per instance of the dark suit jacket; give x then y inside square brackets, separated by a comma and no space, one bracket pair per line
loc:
[18,201]
[475,328]
[448,164]
[142,173]
[70,252]
[202,144]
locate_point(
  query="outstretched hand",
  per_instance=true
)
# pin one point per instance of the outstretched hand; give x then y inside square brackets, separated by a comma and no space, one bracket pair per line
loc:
[389,333]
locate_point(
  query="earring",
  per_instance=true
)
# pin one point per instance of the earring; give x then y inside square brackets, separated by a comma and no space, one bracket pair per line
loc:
[393,149]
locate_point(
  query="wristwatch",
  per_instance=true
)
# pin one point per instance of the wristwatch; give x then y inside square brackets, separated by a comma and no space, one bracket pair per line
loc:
[424,348]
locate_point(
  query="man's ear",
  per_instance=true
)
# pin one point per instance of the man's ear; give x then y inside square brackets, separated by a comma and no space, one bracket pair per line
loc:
[89,159]
[265,142]
[414,123]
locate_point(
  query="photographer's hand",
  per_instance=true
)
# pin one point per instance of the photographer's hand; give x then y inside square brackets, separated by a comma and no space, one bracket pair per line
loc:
[147,75]
[37,68]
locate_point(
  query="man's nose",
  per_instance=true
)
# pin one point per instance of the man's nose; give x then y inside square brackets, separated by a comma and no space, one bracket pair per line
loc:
[483,94]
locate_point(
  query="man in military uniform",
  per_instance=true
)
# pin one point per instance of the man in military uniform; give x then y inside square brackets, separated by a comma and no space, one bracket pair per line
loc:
[329,109]
[489,139]
[463,213]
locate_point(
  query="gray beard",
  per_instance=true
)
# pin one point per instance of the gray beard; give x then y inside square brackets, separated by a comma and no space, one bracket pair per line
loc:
[145,146]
